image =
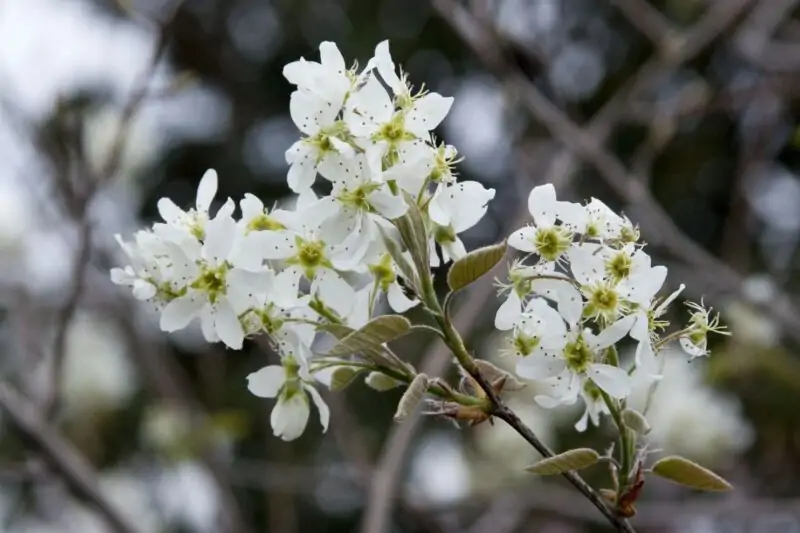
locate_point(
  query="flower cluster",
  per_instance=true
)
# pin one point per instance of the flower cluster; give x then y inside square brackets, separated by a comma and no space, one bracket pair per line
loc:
[289,274]
[589,284]
[395,210]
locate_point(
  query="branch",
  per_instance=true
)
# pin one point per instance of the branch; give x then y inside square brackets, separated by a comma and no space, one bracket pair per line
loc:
[64,458]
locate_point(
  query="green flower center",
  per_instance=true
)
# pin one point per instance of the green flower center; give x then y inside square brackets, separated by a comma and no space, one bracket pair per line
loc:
[524,344]
[269,321]
[264,222]
[359,197]
[551,242]
[211,281]
[310,256]
[592,391]
[444,234]
[619,267]
[383,272]
[603,301]
[578,355]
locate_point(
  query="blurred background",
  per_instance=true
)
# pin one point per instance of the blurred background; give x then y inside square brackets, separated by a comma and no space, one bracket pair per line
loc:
[681,113]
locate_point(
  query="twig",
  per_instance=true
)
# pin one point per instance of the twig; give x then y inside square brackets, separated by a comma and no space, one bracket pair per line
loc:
[647,19]
[64,458]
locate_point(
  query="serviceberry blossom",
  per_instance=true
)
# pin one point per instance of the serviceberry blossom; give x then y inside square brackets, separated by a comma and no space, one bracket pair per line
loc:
[394,200]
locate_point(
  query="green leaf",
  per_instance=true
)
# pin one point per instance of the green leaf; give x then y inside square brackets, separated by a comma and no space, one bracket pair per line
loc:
[412,397]
[685,472]
[405,268]
[636,421]
[342,377]
[378,355]
[415,236]
[370,337]
[576,459]
[474,265]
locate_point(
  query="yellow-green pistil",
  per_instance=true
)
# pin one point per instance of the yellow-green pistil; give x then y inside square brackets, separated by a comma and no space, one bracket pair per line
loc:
[525,344]
[384,273]
[264,222]
[212,281]
[578,355]
[310,256]
[359,196]
[551,242]
[619,266]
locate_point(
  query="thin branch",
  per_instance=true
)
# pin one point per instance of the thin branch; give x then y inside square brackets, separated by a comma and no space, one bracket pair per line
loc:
[647,19]
[63,457]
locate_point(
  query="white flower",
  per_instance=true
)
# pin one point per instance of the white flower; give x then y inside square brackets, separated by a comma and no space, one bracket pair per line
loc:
[594,406]
[605,225]
[644,331]
[217,289]
[454,209]
[146,272]
[307,255]
[292,385]
[328,80]
[178,221]
[544,237]
[701,323]
[385,276]
[612,280]
[566,372]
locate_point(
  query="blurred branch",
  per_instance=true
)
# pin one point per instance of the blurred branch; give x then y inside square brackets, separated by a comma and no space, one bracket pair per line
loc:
[653,218]
[647,19]
[755,43]
[63,457]
[78,208]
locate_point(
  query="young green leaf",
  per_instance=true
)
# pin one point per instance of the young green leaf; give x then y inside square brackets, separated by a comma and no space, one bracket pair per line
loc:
[576,459]
[370,337]
[474,265]
[685,472]
[636,421]
[342,377]
[412,397]
[406,270]
[415,236]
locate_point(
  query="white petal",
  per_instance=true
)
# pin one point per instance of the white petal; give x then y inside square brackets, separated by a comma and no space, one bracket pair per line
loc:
[324,411]
[646,361]
[535,366]
[179,312]
[509,312]
[437,209]
[582,424]
[613,333]
[143,290]
[242,285]
[334,291]
[290,417]
[388,205]
[453,250]
[285,287]
[220,236]
[691,348]
[275,244]
[227,324]
[542,205]
[427,113]
[170,212]
[398,301]
[385,65]
[573,216]
[522,239]
[206,190]
[251,207]
[370,106]
[331,57]
[643,287]
[611,379]
[267,382]
[207,324]
[668,300]
[311,113]
[640,330]
[587,266]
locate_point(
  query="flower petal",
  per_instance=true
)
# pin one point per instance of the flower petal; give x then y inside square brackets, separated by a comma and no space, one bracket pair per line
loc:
[267,382]
[179,312]
[542,205]
[324,411]
[509,312]
[290,416]
[427,113]
[522,239]
[206,190]
[227,324]
[398,301]
[615,381]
